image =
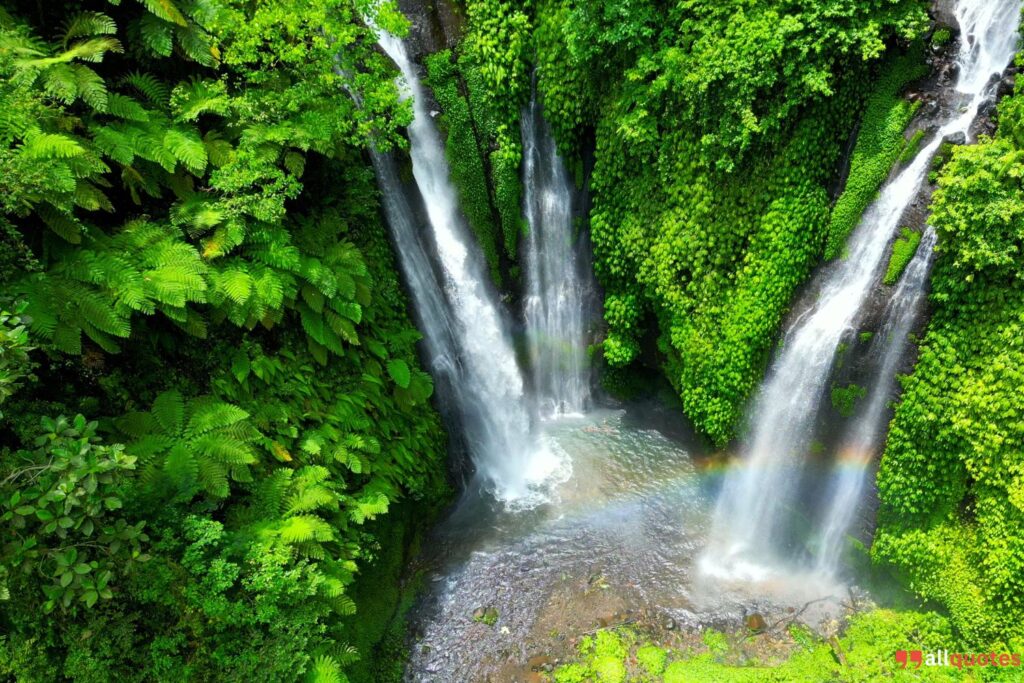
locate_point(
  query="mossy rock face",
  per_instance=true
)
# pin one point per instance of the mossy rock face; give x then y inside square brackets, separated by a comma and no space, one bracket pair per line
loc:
[903,251]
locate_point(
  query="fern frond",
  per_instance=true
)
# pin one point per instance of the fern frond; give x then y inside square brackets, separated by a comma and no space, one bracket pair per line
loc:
[59,83]
[312,499]
[303,528]
[224,450]
[166,10]
[237,285]
[92,50]
[103,316]
[218,151]
[213,477]
[51,146]
[137,424]
[124,107]
[156,35]
[64,224]
[86,24]
[269,500]
[211,415]
[198,45]
[68,338]
[191,100]
[187,147]
[181,467]
[90,87]
[368,506]
[169,412]
[326,670]
[149,87]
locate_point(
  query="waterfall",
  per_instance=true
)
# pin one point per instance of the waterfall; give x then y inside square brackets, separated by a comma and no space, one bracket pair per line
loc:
[859,444]
[757,496]
[557,285]
[467,342]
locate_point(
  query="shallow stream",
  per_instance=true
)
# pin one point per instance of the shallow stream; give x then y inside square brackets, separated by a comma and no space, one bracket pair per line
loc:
[616,543]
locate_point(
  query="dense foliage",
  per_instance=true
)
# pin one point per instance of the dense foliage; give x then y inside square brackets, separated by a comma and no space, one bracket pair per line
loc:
[950,483]
[208,375]
[696,237]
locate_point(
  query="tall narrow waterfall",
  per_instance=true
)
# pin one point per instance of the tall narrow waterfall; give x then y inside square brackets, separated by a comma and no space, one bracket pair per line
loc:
[459,313]
[757,497]
[859,446]
[557,284]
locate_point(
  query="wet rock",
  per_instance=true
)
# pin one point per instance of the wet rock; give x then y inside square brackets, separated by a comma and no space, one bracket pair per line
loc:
[1006,86]
[755,622]
[944,12]
[539,662]
[956,139]
[669,624]
[949,73]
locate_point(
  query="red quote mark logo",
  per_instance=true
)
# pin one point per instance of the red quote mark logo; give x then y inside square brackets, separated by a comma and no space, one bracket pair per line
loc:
[913,656]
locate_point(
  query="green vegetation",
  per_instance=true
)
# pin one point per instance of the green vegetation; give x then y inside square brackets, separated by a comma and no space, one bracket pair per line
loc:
[912,148]
[942,37]
[867,651]
[903,251]
[698,239]
[194,268]
[939,161]
[880,142]
[844,399]
[952,513]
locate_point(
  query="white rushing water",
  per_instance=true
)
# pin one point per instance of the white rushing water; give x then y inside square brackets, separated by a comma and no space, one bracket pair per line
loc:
[460,316]
[859,446]
[557,283]
[757,497]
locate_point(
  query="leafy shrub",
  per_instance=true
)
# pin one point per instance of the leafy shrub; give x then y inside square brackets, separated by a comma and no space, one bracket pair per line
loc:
[690,229]
[949,486]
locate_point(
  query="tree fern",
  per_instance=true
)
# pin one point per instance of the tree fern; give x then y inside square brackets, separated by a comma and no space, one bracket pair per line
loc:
[198,444]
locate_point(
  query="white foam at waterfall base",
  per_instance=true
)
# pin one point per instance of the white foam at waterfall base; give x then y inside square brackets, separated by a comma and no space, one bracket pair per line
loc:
[758,498]
[487,389]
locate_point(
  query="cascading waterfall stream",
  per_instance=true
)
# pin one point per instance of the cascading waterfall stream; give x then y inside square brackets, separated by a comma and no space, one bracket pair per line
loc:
[752,509]
[460,316]
[859,445]
[557,287]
